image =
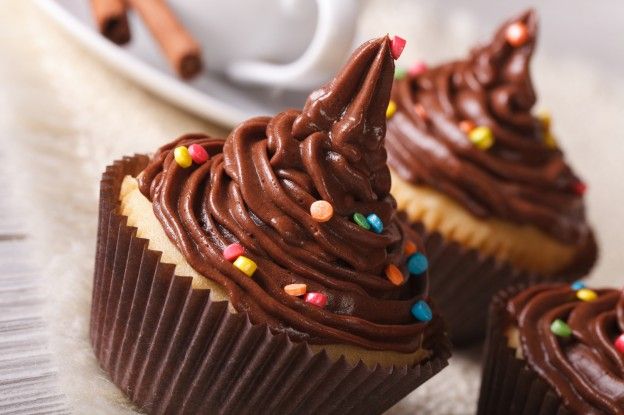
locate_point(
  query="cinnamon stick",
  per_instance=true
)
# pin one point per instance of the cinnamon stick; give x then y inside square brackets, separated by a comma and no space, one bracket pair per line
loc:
[112,20]
[180,48]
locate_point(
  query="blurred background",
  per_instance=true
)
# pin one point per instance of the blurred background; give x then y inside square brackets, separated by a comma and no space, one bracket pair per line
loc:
[569,29]
[71,102]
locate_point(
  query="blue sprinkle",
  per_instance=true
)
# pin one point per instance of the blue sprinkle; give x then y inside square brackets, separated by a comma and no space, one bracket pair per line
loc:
[417,263]
[577,285]
[421,311]
[375,223]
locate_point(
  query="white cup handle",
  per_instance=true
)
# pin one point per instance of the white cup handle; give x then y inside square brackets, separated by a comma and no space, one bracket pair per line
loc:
[332,40]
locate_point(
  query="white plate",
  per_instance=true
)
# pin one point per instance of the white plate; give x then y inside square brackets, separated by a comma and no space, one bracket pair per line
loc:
[208,95]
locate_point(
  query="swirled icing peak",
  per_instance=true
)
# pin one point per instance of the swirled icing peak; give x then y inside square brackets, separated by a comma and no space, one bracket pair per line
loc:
[585,369]
[466,129]
[256,190]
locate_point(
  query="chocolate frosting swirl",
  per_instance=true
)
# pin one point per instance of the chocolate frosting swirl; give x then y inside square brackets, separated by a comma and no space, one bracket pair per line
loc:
[586,370]
[257,189]
[520,178]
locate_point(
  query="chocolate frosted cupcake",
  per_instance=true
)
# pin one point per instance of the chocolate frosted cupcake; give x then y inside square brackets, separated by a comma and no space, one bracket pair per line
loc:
[268,272]
[555,349]
[483,177]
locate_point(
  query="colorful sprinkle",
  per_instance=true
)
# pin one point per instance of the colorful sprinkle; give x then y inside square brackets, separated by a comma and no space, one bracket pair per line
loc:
[321,211]
[421,311]
[550,141]
[560,328]
[421,111]
[577,285]
[233,251]
[296,290]
[397,44]
[417,68]
[391,109]
[394,274]
[545,119]
[481,137]
[182,157]
[417,264]
[579,188]
[246,265]
[198,153]
[516,34]
[318,299]
[375,223]
[619,343]
[410,248]
[399,73]
[586,295]
[361,220]
[466,126]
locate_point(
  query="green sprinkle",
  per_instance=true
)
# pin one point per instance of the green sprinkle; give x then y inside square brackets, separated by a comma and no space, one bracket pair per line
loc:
[361,220]
[560,328]
[399,73]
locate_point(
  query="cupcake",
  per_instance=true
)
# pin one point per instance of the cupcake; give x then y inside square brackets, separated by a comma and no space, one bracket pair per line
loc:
[267,272]
[555,349]
[484,178]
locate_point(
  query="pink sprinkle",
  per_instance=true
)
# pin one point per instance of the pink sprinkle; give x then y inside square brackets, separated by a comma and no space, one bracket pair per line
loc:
[231,252]
[318,299]
[198,153]
[417,68]
[397,44]
[619,343]
[579,188]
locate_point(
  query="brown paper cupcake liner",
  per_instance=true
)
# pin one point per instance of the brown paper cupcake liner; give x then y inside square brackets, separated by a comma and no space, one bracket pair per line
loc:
[508,385]
[463,281]
[171,349]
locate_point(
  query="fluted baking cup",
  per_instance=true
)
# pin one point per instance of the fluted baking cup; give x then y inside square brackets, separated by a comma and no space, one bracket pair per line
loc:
[171,349]
[508,385]
[463,281]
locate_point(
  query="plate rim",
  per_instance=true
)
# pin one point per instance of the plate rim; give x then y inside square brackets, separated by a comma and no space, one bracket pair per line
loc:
[140,72]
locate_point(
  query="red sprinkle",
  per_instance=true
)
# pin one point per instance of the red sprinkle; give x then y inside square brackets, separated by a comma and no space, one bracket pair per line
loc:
[318,299]
[619,343]
[579,188]
[397,44]
[233,251]
[198,153]
[417,68]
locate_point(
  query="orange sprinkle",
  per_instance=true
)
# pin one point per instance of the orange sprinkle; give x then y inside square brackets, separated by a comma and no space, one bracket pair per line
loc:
[321,211]
[296,289]
[466,126]
[410,248]
[394,274]
[420,110]
[517,34]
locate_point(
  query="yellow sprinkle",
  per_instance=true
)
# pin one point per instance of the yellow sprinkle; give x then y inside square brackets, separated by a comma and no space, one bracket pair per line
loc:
[182,157]
[550,140]
[481,137]
[391,109]
[586,295]
[545,119]
[246,265]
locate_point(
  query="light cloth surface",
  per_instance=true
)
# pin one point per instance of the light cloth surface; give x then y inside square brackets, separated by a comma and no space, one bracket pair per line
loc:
[65,116]
[28,376]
